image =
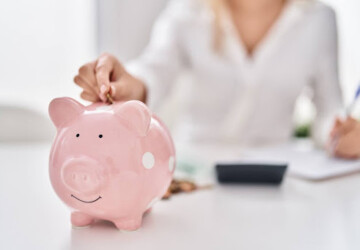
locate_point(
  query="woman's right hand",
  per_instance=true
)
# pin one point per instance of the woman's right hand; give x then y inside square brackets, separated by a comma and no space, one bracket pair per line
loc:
[108,75]
[345,138]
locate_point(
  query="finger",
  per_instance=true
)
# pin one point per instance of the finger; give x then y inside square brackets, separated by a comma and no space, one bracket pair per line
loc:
[89,96]
[348,126]
[347,147]
[103,69]
[341,129]
[112,90]
[339,150]
[331,145]
[337,124]
[338,120]
[120,90]
[345,155]
[103,85]
[87,71]
[85,85]
[351,119]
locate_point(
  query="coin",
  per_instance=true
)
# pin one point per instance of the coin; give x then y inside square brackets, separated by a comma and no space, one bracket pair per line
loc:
[182,186]
[109,98]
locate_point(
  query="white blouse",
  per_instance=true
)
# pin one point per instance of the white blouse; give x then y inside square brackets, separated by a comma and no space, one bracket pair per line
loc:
[237,98]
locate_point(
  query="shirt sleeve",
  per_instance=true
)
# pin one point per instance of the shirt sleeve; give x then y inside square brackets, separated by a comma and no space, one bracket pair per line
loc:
[162,60]
[327,92]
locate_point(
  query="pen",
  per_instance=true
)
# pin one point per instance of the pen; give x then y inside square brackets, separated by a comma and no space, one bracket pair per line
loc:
[348,112]
[350,108]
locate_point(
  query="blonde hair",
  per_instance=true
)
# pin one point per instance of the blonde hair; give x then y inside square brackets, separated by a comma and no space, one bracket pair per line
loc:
[218,8]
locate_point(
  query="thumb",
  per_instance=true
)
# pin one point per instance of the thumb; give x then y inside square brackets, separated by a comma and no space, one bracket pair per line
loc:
[349,125]
[335,129]
[103,71]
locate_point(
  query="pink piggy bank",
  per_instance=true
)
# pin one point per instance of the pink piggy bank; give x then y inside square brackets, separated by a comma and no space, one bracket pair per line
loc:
[110,162]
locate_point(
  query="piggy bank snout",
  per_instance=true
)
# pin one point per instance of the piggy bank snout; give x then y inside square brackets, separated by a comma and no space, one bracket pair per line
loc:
[82,175]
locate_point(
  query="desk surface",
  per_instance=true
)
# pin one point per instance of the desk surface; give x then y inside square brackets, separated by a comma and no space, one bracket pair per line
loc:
[297,215]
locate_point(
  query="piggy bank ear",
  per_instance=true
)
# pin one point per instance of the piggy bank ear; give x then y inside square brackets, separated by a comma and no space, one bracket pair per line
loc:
[64,110]
[137,116]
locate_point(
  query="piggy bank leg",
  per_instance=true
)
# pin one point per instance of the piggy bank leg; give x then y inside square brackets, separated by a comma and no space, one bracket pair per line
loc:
[79,219]
[129,224]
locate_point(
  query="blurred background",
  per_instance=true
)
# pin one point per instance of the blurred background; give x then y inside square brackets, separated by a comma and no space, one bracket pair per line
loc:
[45,41]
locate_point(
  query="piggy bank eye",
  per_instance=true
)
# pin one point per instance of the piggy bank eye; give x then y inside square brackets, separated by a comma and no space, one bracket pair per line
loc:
[100,136]
[77,135]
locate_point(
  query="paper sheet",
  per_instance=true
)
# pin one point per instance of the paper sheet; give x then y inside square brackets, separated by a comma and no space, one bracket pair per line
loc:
[304,161]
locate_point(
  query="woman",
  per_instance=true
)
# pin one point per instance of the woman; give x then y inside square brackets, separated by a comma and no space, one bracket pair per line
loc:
[250,60]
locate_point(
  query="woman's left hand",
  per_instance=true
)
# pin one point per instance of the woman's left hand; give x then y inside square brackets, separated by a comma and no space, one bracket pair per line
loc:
[345,138]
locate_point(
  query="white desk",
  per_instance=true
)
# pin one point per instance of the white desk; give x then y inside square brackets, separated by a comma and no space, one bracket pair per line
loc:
[297,215]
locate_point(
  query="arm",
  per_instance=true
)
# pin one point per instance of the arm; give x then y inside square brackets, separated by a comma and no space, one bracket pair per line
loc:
[327,93]
[146,79]
[163,58]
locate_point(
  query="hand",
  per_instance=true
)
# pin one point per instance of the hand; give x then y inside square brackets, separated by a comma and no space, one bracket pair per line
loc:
[345,138]
[107,75]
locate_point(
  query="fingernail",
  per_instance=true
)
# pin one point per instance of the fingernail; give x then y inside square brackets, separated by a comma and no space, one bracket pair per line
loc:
[103,89]
[102,97]
[112,90]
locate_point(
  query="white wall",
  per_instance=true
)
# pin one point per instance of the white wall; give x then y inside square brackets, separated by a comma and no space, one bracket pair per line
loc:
[43,42]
